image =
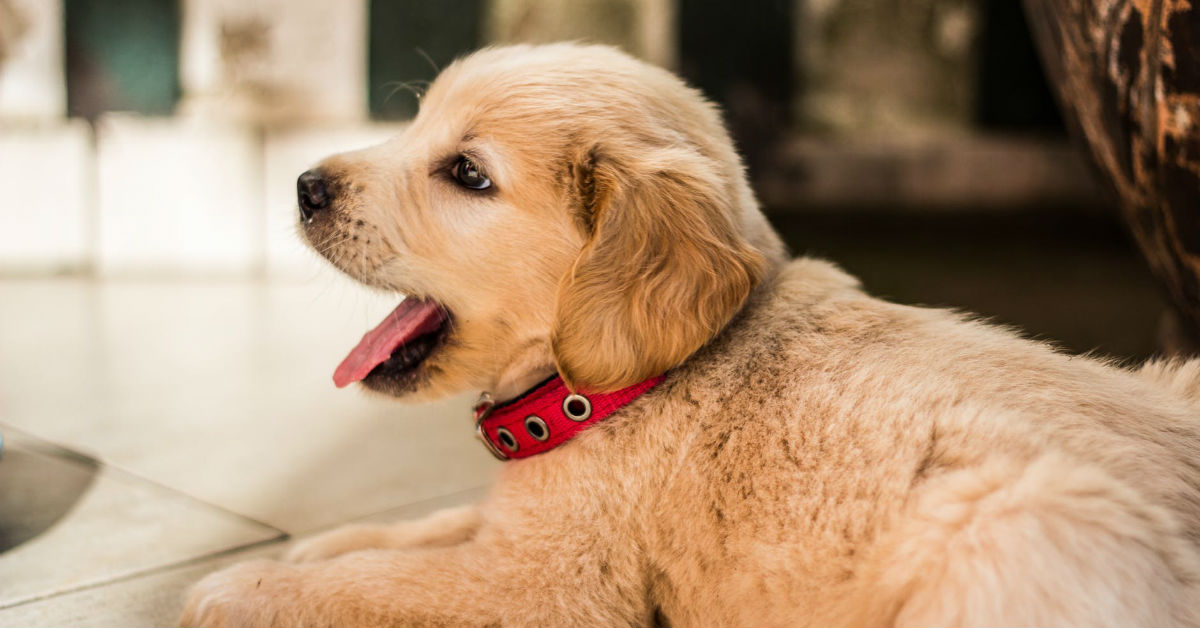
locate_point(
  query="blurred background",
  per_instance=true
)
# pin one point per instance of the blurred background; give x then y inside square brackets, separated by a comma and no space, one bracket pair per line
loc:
[166,341]
[915,141]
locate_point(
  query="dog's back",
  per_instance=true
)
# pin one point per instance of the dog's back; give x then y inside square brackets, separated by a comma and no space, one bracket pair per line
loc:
[874,463]
[1180,377]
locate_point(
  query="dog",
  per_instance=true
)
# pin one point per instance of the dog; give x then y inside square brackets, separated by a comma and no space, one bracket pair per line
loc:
[766,443]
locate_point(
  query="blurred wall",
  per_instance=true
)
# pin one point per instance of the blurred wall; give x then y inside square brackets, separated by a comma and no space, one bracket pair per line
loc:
[31,59]
[155,138]
[150,137]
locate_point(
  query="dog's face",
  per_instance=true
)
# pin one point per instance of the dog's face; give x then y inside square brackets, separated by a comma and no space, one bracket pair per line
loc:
[551,208]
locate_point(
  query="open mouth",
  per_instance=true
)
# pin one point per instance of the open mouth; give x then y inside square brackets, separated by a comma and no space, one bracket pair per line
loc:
[398,346]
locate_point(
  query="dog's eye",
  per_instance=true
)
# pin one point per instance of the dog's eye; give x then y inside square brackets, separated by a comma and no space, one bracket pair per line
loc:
[469,175]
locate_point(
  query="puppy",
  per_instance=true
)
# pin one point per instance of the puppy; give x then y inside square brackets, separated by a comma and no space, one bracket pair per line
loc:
[763,443]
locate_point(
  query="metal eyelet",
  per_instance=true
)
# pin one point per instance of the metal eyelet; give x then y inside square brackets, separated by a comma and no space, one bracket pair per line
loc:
[507,440]
[577,407]
[537,428]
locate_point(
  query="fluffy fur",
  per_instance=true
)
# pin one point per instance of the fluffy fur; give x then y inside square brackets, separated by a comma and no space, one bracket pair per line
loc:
[815,456]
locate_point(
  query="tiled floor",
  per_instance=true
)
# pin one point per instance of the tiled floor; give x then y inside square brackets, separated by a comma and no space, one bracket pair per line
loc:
[156,430]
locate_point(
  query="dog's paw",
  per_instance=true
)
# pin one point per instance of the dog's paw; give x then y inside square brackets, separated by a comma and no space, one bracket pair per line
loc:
[337,542]
[253,593]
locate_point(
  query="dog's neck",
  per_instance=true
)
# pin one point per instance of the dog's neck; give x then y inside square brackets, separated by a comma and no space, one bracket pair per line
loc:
[531,365]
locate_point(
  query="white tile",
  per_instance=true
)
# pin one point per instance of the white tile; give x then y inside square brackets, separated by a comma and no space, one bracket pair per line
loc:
[47,169]
[178,196]
[32,84]
[298,60]
[156,599]
[103,523]
[221,389]
[287,154]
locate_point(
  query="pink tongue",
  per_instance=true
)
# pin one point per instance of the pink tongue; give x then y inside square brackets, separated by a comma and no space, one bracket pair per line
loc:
[410,319]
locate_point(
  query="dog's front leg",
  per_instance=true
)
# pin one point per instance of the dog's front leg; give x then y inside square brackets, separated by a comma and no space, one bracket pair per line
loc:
[469,584]
[444,527]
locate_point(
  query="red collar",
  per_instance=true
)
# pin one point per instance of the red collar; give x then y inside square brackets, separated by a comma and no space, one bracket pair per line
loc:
[546,417]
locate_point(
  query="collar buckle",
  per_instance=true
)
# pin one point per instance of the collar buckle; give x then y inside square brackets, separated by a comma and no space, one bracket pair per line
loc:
[483,408]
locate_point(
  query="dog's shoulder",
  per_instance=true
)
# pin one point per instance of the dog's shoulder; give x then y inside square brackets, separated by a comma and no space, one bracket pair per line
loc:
[813,352]
[809,279]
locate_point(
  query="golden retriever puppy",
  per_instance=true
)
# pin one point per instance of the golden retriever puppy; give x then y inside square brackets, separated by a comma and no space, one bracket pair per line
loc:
[794,451]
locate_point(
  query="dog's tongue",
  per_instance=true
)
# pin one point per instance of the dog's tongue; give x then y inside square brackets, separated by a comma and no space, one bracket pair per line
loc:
[410,319]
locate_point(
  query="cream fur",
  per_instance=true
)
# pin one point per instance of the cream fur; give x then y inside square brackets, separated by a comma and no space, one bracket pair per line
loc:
[815,456]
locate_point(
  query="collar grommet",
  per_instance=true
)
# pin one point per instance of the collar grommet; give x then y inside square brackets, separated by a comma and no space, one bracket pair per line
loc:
[577,407]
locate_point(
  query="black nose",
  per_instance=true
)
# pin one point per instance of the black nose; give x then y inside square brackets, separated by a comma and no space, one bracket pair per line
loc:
[313,195]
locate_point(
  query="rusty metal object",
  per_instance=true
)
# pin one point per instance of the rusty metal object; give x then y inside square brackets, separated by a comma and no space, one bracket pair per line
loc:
[1127,74]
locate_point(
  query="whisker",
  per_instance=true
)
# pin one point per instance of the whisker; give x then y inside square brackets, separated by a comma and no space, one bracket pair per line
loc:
[427,58]
[405,85]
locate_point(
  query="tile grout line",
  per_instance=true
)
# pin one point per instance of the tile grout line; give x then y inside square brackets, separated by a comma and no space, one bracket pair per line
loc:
[280,538]
[132,475]
[54,448]
[149,572]
[58,449]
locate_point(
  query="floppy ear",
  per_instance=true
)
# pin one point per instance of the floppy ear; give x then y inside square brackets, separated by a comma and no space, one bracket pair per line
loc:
[664,270]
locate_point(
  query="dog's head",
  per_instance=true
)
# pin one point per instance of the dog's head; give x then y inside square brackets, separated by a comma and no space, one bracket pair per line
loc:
[551,207]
